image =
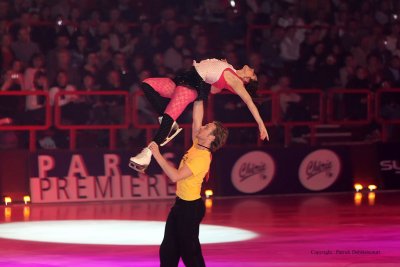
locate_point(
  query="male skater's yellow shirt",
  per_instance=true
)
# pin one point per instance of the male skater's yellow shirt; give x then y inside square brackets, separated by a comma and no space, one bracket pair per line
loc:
[198,161]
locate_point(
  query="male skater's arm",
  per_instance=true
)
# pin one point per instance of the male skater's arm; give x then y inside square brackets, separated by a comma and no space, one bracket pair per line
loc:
[173,173]
[198,113]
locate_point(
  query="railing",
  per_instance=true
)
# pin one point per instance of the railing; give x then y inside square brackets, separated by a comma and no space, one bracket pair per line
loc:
[392,102]
[268,104]
[310,97]
[31,128]
[72,128]
[360,97]
[242,118]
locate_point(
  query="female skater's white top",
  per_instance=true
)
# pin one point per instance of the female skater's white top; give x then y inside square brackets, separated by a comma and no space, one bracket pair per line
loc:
[211,69]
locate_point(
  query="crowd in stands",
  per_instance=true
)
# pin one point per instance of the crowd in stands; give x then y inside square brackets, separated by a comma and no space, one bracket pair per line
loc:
[89,45]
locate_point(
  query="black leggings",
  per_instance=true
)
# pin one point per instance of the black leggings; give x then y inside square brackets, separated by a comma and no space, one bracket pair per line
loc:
[181,236]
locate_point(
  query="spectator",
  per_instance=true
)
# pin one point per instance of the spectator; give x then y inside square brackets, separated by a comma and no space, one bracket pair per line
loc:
[256,62]
[393,37]
[327,76]
[24,48]
[347,71]
[355,104]
[91,65]
[158,67]
[173,56]
[201,50]
[362,51]
[36,104]
[270,49]
[7,55]
[36,64]
[375,70]
[286,97]
[146,40]
[64,64]
[73,108]
[292,107]
[392,72]
[62,44]
[104,54]
[79,51]
[62,85]
[13,81]
[120,65]
[167,33]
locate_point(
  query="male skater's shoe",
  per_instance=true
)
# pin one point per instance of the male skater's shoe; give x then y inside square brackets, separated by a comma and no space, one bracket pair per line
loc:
[175,130]
[141,161]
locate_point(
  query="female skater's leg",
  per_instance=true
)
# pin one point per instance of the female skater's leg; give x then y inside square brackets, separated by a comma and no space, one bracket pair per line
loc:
[180,99]
[158,91]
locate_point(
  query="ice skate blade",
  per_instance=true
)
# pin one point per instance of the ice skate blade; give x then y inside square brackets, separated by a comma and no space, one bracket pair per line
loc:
[137,167]
[169,138]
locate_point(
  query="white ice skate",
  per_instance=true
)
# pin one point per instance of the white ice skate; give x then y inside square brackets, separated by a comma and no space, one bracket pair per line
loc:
[175,130]
[141,161]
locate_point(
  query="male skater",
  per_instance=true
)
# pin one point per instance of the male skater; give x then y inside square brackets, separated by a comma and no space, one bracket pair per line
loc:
[181,236]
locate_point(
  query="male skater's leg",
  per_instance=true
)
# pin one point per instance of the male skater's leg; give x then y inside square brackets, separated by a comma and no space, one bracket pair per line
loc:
[188,235]
[169,249]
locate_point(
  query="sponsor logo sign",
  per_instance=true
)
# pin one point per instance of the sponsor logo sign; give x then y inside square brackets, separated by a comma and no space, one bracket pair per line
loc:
[253,172]
[319,169]
[392,166]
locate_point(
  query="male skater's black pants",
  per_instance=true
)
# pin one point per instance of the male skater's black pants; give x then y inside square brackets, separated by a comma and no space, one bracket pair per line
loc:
[181,237]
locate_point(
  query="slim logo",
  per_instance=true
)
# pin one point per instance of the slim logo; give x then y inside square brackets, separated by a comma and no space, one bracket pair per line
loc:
[319,170]
[253,172]
[390,165]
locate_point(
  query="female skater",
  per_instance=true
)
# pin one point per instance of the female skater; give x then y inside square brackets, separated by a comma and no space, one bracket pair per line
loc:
[171,97]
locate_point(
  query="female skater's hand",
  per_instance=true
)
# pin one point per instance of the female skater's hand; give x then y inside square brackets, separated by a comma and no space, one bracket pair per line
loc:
[263,132]
[154,149]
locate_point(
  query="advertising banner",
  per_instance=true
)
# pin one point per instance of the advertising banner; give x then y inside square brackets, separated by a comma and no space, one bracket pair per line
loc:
[389,165]
[66,176]
[283,171]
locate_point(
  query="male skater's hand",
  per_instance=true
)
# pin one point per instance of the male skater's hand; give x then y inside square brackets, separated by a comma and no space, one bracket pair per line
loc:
[154,149]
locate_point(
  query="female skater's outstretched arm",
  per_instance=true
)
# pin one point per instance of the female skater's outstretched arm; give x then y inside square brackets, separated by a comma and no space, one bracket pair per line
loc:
[240,90]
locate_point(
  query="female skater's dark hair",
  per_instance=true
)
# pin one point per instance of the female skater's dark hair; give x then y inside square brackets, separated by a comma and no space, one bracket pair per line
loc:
[252,87]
